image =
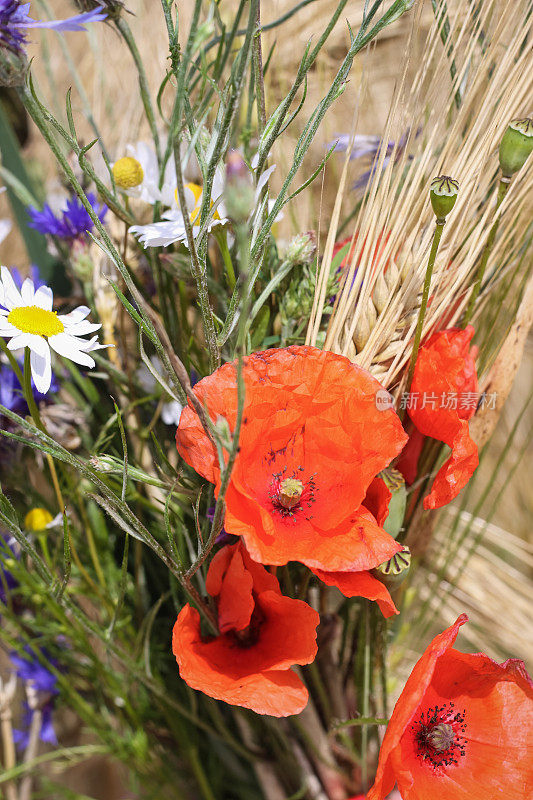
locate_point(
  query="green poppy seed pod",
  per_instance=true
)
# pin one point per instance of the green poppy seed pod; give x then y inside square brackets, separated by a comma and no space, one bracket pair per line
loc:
[515,146]
[443,194]
[396,485]
[396,569]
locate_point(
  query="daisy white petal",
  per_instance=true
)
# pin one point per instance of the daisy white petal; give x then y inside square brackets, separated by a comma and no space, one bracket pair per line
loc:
[12,295]
[77,315]
[82,328]
[68,346]
[5,228]
[263,179]
[7,329]
[44,298]
[171,413]
[92,344]
[160,234]
[27,292]
[20,341]
[38,345]
[41,370]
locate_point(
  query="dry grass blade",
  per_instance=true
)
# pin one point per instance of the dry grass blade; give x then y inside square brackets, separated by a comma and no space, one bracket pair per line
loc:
[375,314]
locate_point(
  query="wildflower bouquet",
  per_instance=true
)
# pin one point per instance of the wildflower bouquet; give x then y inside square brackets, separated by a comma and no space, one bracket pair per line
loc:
[229,566]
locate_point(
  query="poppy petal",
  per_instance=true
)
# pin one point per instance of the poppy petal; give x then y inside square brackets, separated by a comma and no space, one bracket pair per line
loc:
[406,707]
[456,472]
[360,584]
[445,383]
[212,668]
[309,415]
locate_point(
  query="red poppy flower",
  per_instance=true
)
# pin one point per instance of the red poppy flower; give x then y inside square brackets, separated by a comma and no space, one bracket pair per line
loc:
[312,441]
[363,583]
[461,730]
[444,397]
[262,634]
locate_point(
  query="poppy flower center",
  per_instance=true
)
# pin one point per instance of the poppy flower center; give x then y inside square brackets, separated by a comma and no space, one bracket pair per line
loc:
[291,494]
[438,735]
[32,319]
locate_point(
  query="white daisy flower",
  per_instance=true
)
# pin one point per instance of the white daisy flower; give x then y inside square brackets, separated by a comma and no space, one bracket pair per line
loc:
[27,320]
[137,175]
[172,228]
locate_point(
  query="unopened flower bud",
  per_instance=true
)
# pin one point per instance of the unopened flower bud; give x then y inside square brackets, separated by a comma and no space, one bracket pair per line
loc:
[515,146]
[239,193]
[396,569]
[127,172]
[113,7]
[443,194]
[396,485]
[37,519]
[13,68]
[301,248]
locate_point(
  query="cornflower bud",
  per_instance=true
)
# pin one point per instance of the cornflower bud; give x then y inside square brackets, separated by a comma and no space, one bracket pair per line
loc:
[515,146]
[301,248]
[239,193]
[443,194]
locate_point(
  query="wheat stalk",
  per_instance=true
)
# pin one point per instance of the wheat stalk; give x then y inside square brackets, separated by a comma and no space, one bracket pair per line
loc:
[373,320]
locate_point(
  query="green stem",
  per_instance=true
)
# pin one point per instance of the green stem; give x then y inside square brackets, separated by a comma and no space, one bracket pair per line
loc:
[128,37]
[34,412]
[200,775]
[439,227]
[222,241]
[366,697]
[502,191]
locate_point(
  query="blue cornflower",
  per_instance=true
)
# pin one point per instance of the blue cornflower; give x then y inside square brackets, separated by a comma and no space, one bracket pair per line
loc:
[28,668]
[31,671]
[47,733]
[74,221]
[363,146]
[15,21]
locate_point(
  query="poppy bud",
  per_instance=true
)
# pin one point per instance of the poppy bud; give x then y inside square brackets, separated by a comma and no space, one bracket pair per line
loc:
[443,194]
[515,146]
[396,485]
[396,569]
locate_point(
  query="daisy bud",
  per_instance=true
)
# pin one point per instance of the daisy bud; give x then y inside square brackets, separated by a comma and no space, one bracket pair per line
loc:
[37,519]
[396,569]
[127,172]
[443,194]
[239,193]
[515,146]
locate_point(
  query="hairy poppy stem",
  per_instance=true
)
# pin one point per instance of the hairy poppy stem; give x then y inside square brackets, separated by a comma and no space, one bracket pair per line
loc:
[439,227]
[502,191]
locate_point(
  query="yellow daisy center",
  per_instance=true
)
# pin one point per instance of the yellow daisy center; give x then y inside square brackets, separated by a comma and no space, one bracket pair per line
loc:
[32,319]
[37,519]
[127,172]
[195,213]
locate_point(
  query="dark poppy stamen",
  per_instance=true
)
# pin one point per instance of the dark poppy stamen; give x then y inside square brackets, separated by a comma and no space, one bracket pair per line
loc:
[438,735]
